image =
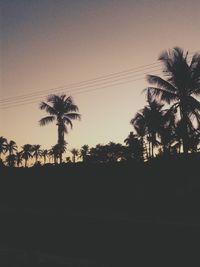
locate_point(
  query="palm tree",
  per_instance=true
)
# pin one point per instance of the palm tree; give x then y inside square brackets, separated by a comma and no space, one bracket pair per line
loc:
[114,151]
[135,146]
[84,152]
[37,152]
[167,137]
[44,154]
[148,121]
[10,160]
[180,89]
[26,153]
[62,110]
[18,158]
[194,141]
[3,142]
[75,154]
[11,147]
[55,152]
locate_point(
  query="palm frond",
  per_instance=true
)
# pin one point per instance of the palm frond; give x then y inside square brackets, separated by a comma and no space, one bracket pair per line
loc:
[53,98]
[193,104]
[69,107]
[162,84]
[68,121]
[162,94]
[65,129]
[195,65]
[73,116]
[46,120]
[49,109]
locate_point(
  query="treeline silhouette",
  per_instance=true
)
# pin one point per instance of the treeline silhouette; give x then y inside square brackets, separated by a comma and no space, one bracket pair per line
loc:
[158,130]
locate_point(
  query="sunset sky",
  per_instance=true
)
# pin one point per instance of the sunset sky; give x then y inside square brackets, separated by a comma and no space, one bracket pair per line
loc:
[47,44]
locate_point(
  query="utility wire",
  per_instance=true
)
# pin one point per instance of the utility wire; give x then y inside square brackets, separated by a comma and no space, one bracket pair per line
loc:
[71,90]
[94,80]
[78,88]
[74,85]
[77,93]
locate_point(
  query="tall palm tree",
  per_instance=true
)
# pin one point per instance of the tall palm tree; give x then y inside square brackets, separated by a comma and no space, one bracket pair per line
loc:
[11,147]
[75,154]
[3,142]
[180,89]
[84,152]
[62,110]
[26,153]
[37,152]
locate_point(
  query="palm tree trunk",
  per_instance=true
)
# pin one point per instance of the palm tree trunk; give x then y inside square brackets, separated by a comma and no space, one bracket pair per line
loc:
[60,156]
[152,145]
[60,139]
[149,146]
[185,130]
[152,148]
[142,148]
[169,148]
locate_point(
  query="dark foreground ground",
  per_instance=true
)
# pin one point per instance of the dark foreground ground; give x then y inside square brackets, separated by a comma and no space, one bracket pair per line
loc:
[102,215]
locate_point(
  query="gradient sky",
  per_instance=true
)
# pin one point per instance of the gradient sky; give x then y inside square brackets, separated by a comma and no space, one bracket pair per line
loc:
[50,43]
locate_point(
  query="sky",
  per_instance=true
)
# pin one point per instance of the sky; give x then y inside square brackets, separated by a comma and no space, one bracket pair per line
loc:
[46,44]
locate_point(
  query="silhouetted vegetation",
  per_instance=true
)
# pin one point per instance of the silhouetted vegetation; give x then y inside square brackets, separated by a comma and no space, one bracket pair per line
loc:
[62,110]
[167,125]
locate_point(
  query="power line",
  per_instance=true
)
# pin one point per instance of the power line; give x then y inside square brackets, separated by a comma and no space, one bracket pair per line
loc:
[72,85]
[125,72]
[99,81]
[79,92]
[62,89]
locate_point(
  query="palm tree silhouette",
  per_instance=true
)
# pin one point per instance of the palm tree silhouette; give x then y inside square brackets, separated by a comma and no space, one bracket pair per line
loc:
[37,152]
[114,151]
[84,152]
[75,154]
[18,158]
[10,160]
[11,147]
[44,154]
[194,141]
[62,110]
[180,88]
[167,137]
[56,150]
[148,121]
[135,146]
[3,142]
[26,153]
